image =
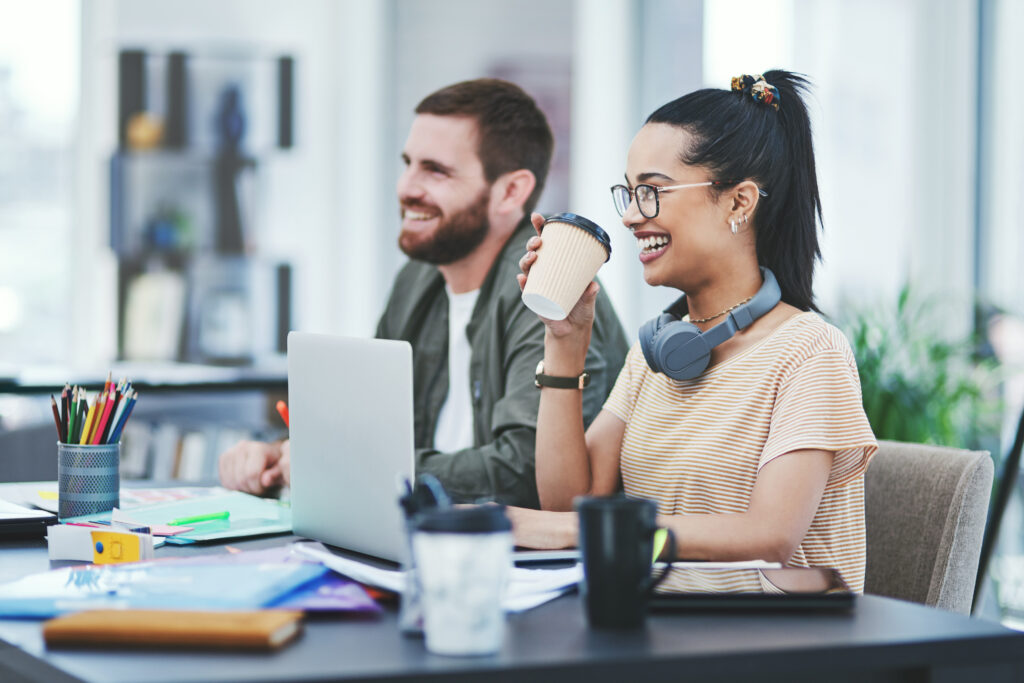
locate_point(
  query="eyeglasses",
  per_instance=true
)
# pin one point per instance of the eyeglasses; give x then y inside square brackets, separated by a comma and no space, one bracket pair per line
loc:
[647,195]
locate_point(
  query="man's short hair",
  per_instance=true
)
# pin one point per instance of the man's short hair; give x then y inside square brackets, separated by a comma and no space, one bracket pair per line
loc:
[514,132]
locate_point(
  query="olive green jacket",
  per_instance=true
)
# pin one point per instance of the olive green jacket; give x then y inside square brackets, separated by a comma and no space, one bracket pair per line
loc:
[506,341]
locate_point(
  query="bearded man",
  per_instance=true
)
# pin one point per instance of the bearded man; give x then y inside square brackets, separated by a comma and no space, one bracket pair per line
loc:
[476,160]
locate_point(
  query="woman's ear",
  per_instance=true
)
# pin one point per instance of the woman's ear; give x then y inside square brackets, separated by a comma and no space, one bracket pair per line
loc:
[744,200]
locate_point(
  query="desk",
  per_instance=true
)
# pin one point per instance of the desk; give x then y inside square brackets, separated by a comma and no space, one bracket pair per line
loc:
[882,639]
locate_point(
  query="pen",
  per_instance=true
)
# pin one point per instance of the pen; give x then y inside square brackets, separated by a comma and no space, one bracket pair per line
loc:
[224,514]
[282,408]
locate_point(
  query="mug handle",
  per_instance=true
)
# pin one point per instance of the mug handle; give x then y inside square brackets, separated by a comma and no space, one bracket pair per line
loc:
[668,565]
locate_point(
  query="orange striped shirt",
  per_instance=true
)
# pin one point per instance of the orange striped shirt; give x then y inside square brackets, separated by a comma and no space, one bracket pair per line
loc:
[696,446]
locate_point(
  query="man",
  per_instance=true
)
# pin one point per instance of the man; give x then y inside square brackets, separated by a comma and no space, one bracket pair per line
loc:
[476,160]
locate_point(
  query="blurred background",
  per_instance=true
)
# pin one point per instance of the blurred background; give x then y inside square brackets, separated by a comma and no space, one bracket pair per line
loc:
[182,183]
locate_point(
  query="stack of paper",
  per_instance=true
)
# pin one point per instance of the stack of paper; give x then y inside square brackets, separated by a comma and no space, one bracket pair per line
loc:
[527,588]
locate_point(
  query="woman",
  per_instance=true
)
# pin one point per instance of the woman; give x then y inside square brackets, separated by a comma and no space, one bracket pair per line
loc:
[762,454]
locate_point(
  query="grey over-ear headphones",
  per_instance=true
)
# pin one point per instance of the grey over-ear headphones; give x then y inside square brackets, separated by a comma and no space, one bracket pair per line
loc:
[680,350]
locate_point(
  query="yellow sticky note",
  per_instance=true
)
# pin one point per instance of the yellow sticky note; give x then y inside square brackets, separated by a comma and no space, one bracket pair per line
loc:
[47,495]
[110,547]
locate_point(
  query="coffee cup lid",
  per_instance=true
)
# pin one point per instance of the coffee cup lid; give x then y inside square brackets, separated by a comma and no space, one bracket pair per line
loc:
[480,519]
[584,224]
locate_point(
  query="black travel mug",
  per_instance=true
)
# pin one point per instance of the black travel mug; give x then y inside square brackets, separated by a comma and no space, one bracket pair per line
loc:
[617,547]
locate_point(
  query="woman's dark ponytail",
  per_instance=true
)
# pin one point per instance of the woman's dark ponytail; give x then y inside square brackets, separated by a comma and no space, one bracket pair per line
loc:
[753,133]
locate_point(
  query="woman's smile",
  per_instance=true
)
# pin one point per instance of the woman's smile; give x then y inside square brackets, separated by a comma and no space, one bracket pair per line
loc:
[652,244]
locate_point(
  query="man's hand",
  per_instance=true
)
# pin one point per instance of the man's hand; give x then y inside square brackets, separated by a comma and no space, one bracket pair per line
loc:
[255,467]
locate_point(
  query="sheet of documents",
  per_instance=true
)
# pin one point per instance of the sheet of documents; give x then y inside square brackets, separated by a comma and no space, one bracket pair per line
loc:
[246,516]
[527,588]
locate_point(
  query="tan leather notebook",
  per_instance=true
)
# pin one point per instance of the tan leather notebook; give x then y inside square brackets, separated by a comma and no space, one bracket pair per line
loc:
[255,629]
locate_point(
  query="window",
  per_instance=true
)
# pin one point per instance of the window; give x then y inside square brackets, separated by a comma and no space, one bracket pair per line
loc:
[39,56]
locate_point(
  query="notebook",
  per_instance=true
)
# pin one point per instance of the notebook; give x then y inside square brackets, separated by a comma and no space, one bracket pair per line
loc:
[351,428]
[254,629]
[16,520]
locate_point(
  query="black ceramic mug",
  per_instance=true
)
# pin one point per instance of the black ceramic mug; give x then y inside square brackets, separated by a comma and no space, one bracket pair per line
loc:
[617,546]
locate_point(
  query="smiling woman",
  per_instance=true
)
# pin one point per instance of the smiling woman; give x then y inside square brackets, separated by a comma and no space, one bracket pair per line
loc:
[755,445]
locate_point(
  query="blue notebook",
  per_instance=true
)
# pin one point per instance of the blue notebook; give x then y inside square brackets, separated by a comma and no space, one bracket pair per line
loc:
[159,584]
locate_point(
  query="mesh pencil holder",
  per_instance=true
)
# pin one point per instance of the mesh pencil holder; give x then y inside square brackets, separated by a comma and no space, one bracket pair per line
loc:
[88,480]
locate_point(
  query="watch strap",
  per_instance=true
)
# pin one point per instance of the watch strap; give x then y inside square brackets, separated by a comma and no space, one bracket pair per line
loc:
[556,382]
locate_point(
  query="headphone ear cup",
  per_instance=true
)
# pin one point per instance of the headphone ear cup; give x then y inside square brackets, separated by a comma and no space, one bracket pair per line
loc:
[681,350]
[649,333]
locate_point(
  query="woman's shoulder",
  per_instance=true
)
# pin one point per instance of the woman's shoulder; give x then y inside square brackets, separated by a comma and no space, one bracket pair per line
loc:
[807,334]
[807,328]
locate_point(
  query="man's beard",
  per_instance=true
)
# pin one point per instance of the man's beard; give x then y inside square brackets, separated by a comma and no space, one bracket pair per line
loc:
[455,236]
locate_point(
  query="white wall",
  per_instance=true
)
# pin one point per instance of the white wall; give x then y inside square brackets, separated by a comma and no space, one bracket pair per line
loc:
[301,209]
[894,157]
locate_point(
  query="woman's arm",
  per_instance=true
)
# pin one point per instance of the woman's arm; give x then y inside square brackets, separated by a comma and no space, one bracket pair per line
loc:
[568,462]
[782,506]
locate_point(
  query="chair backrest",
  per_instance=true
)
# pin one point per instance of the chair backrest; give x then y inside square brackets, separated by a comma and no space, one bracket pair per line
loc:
[925,509]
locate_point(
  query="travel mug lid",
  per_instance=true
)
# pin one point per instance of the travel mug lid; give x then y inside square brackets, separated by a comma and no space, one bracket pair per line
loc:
[584,224]
[480,519]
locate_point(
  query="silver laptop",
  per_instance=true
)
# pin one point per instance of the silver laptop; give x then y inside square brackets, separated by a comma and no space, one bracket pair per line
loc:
[350,405]
[351,431]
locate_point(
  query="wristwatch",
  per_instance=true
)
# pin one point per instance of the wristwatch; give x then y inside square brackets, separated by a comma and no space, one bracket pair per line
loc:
[542,380]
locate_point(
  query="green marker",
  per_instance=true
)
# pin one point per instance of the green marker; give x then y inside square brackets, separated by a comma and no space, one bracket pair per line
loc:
[181,521]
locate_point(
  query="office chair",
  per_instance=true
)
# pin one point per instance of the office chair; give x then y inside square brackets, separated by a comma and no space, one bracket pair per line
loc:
[925,509]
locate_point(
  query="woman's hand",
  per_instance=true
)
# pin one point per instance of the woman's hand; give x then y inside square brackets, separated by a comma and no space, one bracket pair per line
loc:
[543,530]
[581,318]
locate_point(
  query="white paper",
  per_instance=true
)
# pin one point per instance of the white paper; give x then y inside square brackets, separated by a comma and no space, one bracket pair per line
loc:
[527,588]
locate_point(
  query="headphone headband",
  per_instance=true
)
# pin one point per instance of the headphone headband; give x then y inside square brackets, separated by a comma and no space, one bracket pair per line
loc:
[681,350]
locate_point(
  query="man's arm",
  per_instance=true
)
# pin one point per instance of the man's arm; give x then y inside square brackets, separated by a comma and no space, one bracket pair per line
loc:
[503,469]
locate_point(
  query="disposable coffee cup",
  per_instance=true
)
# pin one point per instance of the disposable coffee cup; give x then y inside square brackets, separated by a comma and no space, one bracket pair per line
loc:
[571,252]
[463,557]
[88,479]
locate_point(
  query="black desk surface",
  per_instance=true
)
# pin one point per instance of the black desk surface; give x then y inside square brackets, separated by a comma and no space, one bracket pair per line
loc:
[881,639]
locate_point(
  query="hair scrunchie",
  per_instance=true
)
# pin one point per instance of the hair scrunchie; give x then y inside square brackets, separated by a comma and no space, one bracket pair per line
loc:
[760,90]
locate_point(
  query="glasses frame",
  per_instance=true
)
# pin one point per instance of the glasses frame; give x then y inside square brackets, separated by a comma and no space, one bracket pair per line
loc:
[658,189]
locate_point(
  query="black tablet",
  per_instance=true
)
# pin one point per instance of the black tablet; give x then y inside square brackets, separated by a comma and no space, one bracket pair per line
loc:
[788,588]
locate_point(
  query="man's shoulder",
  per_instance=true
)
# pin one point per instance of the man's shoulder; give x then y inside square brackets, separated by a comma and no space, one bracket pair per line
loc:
[410,289]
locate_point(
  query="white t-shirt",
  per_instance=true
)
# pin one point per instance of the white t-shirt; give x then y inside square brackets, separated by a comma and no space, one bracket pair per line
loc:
[455,422]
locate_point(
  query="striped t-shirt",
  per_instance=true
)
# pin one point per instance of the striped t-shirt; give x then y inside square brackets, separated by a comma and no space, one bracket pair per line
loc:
[696,446]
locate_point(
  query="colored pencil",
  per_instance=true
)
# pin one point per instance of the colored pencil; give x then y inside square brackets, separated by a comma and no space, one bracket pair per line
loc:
[116,395]
[124,419]
[64,411]
[101,403]
[56,418]
[96,439]
[72,414]
[90,420]
[282,408]
[115,419]
[83,415]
